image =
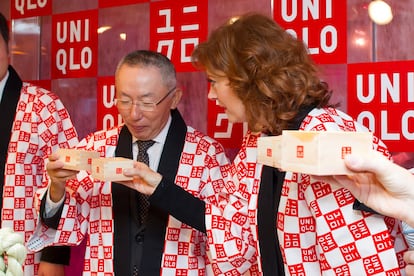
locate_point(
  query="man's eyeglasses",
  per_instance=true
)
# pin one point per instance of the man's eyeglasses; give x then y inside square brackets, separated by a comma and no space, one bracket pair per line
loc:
[143,106]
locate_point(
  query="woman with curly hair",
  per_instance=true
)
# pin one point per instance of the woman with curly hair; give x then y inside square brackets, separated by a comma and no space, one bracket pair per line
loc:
[262,75]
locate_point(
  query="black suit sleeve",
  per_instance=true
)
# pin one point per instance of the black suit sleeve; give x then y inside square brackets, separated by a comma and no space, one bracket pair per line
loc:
[180,204]
[52,222]
[54,254]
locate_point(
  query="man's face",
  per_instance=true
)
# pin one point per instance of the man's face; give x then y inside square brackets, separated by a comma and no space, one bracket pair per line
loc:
[4,57]
[143,84]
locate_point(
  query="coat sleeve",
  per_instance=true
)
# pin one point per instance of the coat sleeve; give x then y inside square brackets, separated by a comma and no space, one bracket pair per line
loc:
[231,247]
[73,223]
[219,211]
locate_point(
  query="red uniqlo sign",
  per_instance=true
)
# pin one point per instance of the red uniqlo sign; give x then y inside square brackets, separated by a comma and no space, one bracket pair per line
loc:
[320,24]
[75,44]
[30,8]
[229,134]
[381,97]
[176,27]
[107,113]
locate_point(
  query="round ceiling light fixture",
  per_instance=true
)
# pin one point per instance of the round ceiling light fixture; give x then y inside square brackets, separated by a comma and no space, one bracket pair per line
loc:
[380,12]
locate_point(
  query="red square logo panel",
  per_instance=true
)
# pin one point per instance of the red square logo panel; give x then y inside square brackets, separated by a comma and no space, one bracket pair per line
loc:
[176,28]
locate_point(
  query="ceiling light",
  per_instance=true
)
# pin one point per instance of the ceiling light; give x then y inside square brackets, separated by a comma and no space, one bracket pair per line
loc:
[380,12]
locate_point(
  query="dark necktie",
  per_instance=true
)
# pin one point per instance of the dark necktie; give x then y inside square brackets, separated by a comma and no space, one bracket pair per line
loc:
[143,203]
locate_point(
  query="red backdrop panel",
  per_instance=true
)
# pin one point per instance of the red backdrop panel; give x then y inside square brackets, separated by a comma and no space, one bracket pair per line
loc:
[176,27]
[381,97]
[322,25]
[75,44]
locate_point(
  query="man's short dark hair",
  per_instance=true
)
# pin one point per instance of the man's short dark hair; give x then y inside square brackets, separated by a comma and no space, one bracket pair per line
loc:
[4,28]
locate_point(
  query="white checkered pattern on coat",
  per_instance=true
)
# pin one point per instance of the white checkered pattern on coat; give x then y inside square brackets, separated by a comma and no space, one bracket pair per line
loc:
[319,232]
[41,126]
[88,210]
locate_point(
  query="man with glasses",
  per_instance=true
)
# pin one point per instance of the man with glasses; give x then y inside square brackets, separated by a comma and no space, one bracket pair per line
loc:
[169,238]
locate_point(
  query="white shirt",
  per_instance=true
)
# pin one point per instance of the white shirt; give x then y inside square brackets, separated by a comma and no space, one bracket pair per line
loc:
[3,84]
[154,152]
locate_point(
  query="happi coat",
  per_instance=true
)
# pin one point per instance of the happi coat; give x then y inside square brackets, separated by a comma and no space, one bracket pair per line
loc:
[201,171]
[318,226]
[40,125]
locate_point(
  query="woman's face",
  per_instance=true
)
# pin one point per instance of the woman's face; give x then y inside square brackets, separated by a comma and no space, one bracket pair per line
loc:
[221,92]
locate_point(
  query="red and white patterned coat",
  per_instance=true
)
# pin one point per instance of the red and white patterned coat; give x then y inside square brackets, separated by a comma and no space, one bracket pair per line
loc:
[41,126]
[88,210]
[319,231]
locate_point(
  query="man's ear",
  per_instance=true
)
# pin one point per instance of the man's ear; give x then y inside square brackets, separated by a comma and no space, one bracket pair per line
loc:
[176,98]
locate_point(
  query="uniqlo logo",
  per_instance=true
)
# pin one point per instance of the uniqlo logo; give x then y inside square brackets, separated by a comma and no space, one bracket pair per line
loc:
[67,158]
[24,136]
[309,254]
[63,113]
[70,133]
[269,152]
[382,241]
[89,161]
[343,197]
[306,224]
[108,252]
[19,203]
[173,234]
[327,242]
[182,181]
[118,170]
[20,180]
[170,261]
[300,151]
[94,226]
[202,146]
[7,214]
[359,230]
[292,208]
[291,240]
[28,214]
[350,252]
[94,251]
[220,250]
[373,265]
[325,118]
[176,28]
[251,169]
[197,172]
[187,158]
[345,151]
[320,190]
[8,191]
[335,219]
[106,200]
[101,265]
[183,248]
[18,225]
[217,223]
[64,237]
[297,269]
[319,127]
[106,226]
[239,219]
[49,121]
[342,270]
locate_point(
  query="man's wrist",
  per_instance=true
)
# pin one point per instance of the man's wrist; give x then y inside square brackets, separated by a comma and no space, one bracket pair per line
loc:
[56,195]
